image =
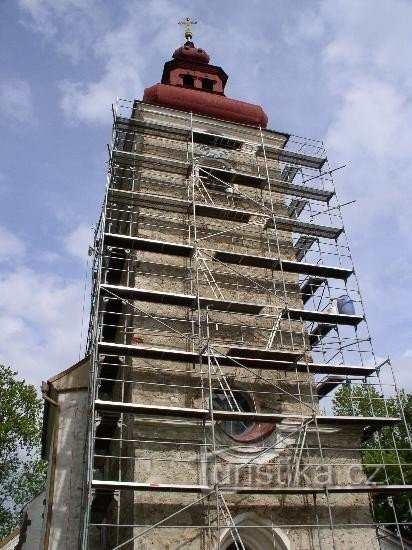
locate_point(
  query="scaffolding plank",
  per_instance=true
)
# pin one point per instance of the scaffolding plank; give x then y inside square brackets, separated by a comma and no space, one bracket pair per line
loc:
[231,305]
[310,286]
[168,202]
[284,155]
[233,177]
[296,207]
[161,487]
[253,489]
[169,164]
[318,270]
[185,300]
[243,259]
[231,360]
[224,213]
[302,246]
[322,317]
[206,414]
[320,331]
[302,191]
[267,354]
[174,204]
[152,124]
[150,245]
[148,352]
[326,368]
[329,383]
[296,226]
[279,185]
[130,293]
[289,173]
[150,200]
[270,490]
[289,266]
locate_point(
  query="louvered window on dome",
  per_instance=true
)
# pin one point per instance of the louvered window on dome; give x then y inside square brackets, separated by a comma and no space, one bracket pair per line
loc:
[207,84]
[188,80]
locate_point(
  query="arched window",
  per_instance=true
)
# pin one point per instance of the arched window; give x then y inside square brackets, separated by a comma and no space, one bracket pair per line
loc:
[263,536]
[188,80]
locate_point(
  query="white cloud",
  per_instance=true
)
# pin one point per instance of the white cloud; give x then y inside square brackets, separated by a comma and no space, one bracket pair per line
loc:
[72,25]
[40,313]
[78,241]
[12,249]
[40,319]
[363,77]
[121,49]
[374,36]
[16,100]
[371,129]
[374,116]
[120,52]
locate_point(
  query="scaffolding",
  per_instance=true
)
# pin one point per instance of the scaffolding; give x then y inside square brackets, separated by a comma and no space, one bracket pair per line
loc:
[217,343]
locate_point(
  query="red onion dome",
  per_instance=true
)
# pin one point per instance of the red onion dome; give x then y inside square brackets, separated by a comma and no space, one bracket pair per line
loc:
[188,52]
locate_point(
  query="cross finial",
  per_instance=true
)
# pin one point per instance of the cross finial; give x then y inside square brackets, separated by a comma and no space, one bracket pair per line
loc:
[188,31]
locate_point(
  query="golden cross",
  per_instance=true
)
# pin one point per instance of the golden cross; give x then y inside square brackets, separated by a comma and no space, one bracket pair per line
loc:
[188,31]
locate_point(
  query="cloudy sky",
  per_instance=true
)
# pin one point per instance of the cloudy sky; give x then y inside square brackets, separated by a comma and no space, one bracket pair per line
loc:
[336,70]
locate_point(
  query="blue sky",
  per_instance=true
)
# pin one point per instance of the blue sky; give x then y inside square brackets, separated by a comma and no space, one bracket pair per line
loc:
[336,70]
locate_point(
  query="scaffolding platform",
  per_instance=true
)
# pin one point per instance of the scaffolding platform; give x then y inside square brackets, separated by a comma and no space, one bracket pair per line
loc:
[288,266]
[176,249]
[268,354]
[284,155]
[318,270]
[153,201]
[232,305]
[225,213]
[321,317]
[310,286]
[296,226]
[289,173]
[244,489]
[227,360]
[145,295]
[328,384]
[149,245]
[319,332]
[296,207]
[207,414]
[233,177]
[238,258]
[174,204]
[184,300]
[303,245]
[131,123]
[259,182]
[130,157]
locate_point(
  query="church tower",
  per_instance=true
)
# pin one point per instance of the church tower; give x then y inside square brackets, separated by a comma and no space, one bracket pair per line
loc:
[225,313]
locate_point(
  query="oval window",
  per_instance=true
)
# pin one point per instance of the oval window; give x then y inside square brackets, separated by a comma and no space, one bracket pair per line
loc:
[233,400]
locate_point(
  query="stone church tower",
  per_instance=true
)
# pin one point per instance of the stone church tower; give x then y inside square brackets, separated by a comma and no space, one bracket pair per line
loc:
[225,312]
